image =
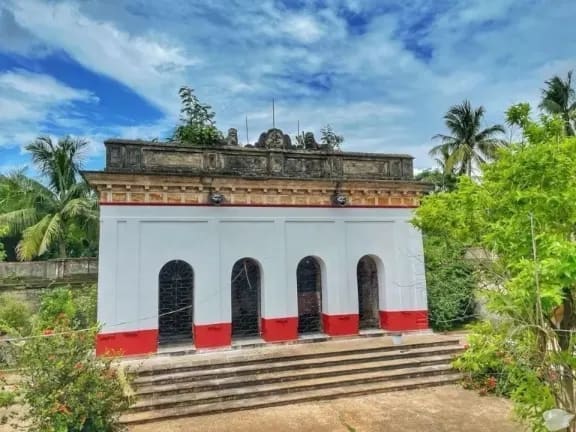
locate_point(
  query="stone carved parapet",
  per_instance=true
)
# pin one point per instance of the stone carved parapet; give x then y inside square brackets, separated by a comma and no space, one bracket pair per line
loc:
[255,162]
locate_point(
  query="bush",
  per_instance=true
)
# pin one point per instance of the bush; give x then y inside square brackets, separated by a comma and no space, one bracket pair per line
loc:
[66,387]
[78,306]
[14,316]
[54,304]
[86,300]
[495,363]
[450,283]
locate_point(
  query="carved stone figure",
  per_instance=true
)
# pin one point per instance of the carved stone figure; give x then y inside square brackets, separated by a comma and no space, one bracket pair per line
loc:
[232,138]
[310,142]
[273,139]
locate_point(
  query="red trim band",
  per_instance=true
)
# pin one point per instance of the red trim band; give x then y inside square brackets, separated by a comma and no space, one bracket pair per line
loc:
[279,329]
[127,343]
[404,320]
[340,325]
[125,203]
[212,335]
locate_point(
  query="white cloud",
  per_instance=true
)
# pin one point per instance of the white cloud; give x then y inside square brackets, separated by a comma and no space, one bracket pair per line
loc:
[27,100]
[303,28]
[385,84]
[148,63]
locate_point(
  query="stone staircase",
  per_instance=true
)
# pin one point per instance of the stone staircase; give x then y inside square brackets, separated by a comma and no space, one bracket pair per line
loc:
[205,384]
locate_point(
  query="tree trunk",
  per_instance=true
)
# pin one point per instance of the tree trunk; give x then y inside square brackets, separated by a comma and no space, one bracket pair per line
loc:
[61,249]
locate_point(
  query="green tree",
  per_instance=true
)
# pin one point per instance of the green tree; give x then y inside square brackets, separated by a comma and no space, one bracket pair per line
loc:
[468,144]
[330,138]
[44,213]
[522,215]
[559,98]
[3,232]
[450,283]
[197,126]
[441,180]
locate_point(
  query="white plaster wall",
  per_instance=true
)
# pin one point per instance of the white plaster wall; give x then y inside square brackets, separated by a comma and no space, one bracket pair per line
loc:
[136,241]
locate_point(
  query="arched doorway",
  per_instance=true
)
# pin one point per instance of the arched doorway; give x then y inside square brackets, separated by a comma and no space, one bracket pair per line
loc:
[175,301]
[309,286]
[367,276]
[246,281]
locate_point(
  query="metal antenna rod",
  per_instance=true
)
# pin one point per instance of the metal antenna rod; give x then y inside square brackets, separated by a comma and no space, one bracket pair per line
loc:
[247,139]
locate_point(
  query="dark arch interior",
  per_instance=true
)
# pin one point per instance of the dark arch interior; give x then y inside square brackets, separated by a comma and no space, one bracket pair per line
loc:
[367,274]
[175,301]
[245,282]
[309,286]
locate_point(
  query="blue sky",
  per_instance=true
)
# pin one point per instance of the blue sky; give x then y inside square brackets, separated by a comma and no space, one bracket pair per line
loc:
[381,72]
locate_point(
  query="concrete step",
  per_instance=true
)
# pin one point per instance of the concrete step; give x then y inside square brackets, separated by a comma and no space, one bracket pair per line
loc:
[315,394]
[194,397]
[266,377]
[344,362]
[195,363]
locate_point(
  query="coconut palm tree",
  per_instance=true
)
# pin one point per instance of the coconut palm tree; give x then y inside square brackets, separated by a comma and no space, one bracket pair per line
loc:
[468,144]
[43,213]
[559,98]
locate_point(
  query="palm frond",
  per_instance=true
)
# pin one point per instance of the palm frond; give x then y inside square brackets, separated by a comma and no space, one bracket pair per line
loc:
[81,207]
[32,238]
[52,233]
[18,220]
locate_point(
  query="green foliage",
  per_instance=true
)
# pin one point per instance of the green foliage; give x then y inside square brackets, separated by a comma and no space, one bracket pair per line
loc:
[441,180]
[14,316]
[494,363]
[65,387]
[43,212]
[468,144]
[559,99]
[7,398]
[450,284]
[329,138]
[522,214]
[3,232]
[77,306]
[197,126]
[550,127]
[86,300]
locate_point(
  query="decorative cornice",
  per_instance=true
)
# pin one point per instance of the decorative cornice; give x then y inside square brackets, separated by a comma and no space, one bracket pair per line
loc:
[148,189]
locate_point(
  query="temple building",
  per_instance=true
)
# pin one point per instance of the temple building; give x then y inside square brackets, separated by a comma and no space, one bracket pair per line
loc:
[211,245]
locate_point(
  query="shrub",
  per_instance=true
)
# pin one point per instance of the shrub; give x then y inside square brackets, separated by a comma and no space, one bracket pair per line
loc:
[55,303]
[66,387]
[86,305]
[450,283]
[14,316]
[495,363]
[78,306]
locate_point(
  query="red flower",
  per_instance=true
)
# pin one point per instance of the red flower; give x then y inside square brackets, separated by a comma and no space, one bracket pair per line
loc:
[491,382]
[48,332]
[63,409]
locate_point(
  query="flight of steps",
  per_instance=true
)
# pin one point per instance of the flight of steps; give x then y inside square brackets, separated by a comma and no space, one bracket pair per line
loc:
[197,387]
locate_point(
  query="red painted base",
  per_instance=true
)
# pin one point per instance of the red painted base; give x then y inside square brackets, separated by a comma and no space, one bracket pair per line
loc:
[212,335]
[404,320]
[279,329]
[340,325]
[127,343]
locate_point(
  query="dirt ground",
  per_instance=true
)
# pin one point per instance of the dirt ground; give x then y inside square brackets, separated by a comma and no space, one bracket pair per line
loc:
[440,409]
